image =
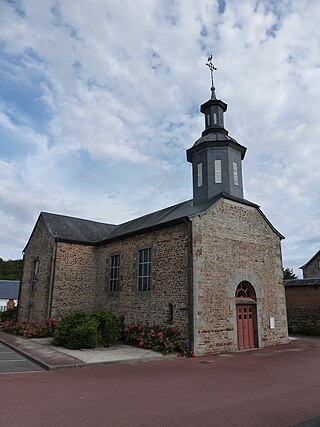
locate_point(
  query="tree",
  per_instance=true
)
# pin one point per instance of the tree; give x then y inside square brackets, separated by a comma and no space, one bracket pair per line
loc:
[288,274]
[11,269]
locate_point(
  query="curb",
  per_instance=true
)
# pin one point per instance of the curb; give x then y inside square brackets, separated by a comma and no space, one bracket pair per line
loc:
[40,362]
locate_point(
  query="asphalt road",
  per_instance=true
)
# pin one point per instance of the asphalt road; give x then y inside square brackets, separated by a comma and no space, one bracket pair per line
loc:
[11,361]
[276,387]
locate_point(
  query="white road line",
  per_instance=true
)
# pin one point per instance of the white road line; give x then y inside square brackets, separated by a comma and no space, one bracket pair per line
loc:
[20,372]
[11,360]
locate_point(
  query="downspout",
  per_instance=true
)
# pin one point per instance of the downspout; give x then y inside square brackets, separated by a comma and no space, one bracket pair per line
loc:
[52,277]
[190,287]
[21,277]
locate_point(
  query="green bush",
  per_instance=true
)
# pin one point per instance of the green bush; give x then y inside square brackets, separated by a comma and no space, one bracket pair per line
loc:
[83,330]
[109,327]
[84,335]
[9,314]
[67,325]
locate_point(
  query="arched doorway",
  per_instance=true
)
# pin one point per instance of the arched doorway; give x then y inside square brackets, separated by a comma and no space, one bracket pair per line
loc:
[246,316]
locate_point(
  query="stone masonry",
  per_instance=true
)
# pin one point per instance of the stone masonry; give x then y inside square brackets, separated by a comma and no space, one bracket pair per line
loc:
[75,279]
[33,303]
[233,243]
[312,268]
[169,248]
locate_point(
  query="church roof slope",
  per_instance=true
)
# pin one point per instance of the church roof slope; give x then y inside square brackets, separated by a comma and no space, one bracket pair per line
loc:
[80,230]
[168,216]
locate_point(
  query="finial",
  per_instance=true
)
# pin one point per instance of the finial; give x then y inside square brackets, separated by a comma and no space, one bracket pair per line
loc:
[211,68]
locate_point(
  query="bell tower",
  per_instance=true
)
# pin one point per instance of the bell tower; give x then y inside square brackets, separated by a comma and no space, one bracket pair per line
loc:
[215,157]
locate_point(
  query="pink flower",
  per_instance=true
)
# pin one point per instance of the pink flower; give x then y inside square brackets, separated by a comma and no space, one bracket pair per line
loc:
[126,329]
[141,343]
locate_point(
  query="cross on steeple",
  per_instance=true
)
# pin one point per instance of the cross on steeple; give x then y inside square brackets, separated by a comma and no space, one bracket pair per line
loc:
[212,68]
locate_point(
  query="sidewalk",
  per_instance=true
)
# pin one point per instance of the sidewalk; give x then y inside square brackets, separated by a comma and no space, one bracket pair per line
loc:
[42,352]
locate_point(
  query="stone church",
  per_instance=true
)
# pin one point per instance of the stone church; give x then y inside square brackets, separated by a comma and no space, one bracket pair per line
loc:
[210,266]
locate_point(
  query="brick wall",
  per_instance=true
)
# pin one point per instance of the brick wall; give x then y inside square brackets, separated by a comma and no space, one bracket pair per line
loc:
[303,308]
[312,270]
[33,303]
[233,243]
[169,278]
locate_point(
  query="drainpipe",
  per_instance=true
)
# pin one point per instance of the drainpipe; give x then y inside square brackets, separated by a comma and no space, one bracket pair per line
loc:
[52,277]
[21,277]
[190,287]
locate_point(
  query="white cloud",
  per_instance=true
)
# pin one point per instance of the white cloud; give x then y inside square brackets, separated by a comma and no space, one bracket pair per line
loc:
[101,100]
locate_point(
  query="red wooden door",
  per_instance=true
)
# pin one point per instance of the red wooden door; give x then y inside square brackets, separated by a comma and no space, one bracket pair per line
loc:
[245,326]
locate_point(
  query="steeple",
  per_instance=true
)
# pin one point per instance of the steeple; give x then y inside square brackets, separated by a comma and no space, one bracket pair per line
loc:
[215,157]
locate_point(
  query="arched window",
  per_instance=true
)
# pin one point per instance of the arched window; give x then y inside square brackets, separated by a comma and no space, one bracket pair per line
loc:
[245,290]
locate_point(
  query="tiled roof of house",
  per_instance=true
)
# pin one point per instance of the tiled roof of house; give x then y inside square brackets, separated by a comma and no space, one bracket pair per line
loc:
[9,289]
[302,282]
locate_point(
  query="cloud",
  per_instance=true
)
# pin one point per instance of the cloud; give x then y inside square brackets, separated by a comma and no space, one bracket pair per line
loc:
[98,106]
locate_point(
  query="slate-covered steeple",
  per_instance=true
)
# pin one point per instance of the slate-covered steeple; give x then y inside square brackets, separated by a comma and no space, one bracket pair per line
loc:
[215,157]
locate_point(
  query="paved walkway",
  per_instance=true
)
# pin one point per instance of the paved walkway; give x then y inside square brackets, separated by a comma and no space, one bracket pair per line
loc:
[42,352]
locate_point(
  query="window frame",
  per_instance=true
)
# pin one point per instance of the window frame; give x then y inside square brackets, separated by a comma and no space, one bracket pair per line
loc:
[218,171]
[114,273]
[34,273]
[144,269]
[199,174]
[235,173]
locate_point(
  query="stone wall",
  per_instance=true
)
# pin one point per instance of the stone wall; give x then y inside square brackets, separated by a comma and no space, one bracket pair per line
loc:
[75,278]
[233,243]
[169,278]
[312,270]
[303,309]
[33,303]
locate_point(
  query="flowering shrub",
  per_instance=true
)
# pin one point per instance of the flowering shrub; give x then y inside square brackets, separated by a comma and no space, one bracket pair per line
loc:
[163,339]
[29,329]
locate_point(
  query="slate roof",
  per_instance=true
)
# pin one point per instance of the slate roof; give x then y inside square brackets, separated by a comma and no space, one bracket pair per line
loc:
[9,289]
[171,215]
[216,139]
[302,282]
[77,230]
[68,228]
[311,259]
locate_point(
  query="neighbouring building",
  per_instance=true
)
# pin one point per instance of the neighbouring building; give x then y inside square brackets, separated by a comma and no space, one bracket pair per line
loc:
[9,294]
[303,299]
[311,269]
[210,266]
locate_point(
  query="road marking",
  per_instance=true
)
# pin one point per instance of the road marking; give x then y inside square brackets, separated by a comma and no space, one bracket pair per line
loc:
[13,360]
[19,372]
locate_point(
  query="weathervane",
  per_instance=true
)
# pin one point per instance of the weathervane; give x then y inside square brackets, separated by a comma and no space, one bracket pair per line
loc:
[211,68]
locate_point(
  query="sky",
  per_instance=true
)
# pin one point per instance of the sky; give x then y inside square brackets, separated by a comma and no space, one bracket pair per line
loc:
[99,101]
